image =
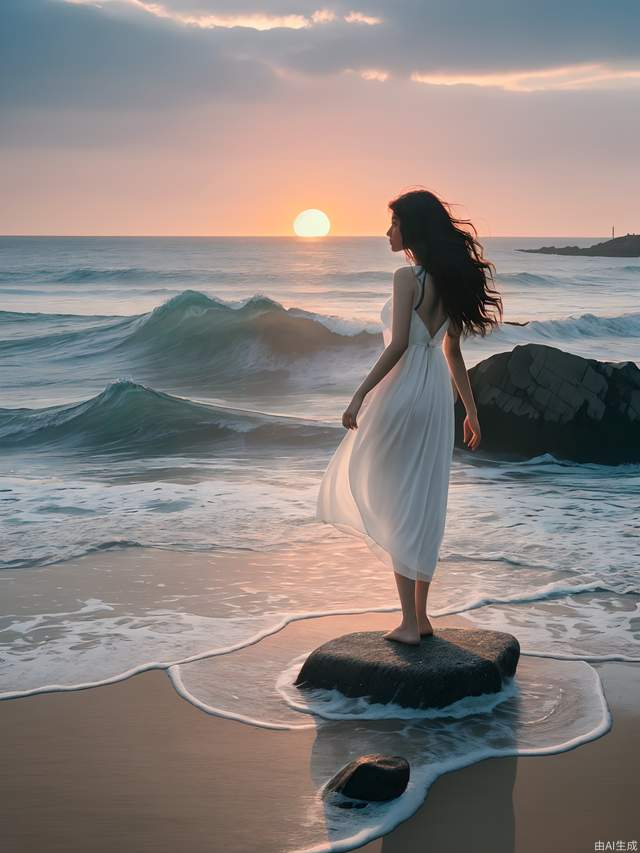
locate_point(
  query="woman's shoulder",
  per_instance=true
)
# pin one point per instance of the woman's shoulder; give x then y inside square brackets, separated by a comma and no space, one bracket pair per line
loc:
[404,283]
[406,273]
[405,277]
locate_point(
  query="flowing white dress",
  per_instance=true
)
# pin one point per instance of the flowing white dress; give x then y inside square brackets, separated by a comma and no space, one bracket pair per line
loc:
[388,480]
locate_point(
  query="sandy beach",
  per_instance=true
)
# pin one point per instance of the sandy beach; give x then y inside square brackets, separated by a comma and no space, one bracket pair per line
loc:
[133,766]
[300,305]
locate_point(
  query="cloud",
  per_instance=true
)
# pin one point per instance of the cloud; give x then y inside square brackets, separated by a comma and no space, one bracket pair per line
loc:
[80,56]
[475,37]
[208,21]
[144,55]
[206,18]
[586,76]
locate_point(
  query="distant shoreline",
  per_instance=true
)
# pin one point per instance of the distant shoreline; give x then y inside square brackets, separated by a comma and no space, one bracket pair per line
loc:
[620,247]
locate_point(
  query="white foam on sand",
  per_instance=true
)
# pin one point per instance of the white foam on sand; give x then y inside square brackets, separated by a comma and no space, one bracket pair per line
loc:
[106,617]
[548,707]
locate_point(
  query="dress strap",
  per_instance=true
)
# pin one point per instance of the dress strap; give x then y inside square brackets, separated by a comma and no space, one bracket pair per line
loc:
[424,278]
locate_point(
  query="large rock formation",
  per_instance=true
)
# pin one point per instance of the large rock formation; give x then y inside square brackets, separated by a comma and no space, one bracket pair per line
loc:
[538,399]
[449,665]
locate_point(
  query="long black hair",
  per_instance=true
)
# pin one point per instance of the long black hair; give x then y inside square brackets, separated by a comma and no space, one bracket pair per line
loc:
[433,238]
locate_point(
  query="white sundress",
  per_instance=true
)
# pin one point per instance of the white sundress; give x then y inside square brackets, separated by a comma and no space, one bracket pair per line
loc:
[388,480]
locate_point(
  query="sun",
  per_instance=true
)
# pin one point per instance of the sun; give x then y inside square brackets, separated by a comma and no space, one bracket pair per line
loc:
[311,223]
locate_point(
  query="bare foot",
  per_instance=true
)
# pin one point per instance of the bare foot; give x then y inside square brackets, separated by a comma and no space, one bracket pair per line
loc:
[404,635]
[425,627]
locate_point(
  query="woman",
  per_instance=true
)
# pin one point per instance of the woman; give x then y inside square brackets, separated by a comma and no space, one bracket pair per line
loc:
[388,480]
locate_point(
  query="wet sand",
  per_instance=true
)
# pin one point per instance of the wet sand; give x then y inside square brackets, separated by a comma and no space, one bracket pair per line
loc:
[133,767]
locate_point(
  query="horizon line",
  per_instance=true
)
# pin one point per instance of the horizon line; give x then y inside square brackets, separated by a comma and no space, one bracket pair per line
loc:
[284,236]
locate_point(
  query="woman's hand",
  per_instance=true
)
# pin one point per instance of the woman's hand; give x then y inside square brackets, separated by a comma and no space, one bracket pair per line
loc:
[471,429]
[349,415]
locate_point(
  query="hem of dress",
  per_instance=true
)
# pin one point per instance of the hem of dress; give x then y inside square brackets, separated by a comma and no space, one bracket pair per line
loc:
[416,576]
[376,547]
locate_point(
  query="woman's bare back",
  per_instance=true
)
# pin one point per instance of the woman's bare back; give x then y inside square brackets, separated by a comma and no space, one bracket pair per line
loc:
[430,311]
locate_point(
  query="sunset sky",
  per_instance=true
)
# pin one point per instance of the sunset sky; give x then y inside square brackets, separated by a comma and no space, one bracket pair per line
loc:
[213,117]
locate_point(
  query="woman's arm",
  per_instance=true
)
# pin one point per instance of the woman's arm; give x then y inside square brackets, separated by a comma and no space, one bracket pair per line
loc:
[403,296]
[458,370]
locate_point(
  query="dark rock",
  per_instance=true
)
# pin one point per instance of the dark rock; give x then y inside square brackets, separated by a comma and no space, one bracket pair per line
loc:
[351,804]
[620,247]
[539,399]
[445,667]
[373,777]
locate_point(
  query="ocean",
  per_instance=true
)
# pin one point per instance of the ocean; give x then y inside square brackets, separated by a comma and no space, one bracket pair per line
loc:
[181,397]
